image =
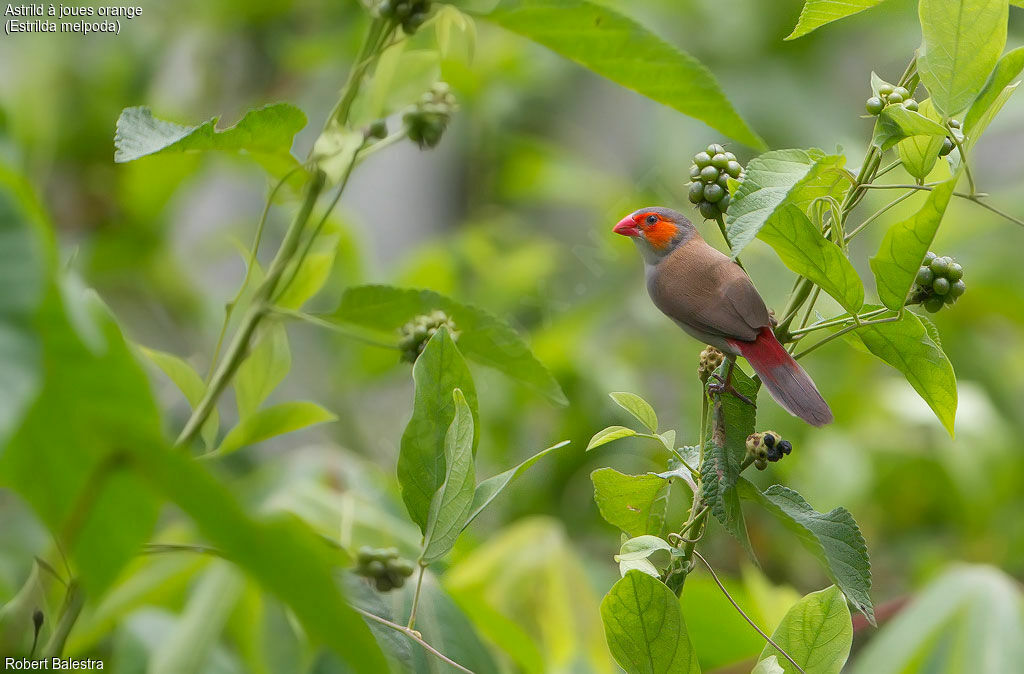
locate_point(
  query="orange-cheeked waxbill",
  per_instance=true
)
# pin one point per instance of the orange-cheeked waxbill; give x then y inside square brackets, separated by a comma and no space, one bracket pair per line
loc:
[710,297]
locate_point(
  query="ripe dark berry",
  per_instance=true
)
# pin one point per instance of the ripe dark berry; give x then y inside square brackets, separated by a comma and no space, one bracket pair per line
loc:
[720,161]
[734,169]
[696,192]
[947,146]
[939,266]
[785,447]
[714,193]
[957,289]
[885,89]
[874,105]
[940,285]
[715,148]
[925,276]
[933,304]
[769,440]
[709,174]
[709,210]
[702,159]
[911,104]
[955,273]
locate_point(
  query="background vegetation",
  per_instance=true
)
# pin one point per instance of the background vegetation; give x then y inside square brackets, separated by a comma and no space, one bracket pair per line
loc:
[511,212]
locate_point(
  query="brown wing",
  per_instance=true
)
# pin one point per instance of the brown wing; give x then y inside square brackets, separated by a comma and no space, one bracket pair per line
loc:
[699,286]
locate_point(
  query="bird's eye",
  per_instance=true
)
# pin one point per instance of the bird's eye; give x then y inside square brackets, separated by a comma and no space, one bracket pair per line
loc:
[652,219]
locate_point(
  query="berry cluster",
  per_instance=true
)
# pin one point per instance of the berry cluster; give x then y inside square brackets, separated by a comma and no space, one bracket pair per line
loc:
[710,359]
[410,13]
[940,280]
[767,446]
[384,567]
[428,119]
[947,142]
[709,186]
[890,95]
[417,332]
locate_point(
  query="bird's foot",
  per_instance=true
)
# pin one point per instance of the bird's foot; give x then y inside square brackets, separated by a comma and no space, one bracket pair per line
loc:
[722,386]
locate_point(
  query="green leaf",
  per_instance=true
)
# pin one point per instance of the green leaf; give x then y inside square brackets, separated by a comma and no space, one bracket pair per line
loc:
[638,407]
[633,503]
[769,665]
[732,420]
[189,383]
[966,620]
[962,40]
[265,367]
[833,538]
[804,250]
[617,47]
[906,346]
[816,13]
[483,338]
[272,422]
[645,628]
[310,278]
[896,123]
[993,95]
[438,371]
[266,134]
[905,245]
[451,505]
[636,552]
[489,489]
[609,434]
[920,153]
[817,633]
[778,177]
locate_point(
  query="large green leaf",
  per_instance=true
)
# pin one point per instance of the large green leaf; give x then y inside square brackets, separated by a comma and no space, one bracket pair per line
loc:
[962,40]
[189,383]
[967,620]
[271,422]
[777,177]
[816,13]
[452,503]
[645,628]
[920,153]
[633,503]
[482,338]
[617,47]
[833,538]
[906,346]
[993,96]
[732,420]
[265,367]
[905,245]
[266,134]
[817,633]
[438,371]
[896,123]
[489,489]
[804,250]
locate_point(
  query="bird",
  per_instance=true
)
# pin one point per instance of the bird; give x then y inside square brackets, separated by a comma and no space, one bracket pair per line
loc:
[712,299]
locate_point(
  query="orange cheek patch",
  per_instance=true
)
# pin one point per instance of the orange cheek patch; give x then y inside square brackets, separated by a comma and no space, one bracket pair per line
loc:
[660,234]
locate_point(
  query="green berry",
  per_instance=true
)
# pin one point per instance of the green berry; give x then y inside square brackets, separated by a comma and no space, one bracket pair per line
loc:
[709,210]
[894,98]
[694,172]
[954,124]
[925,276]
[734,169]
[955,273]
[939,266]
[902,92]
[404,567]
[885,89]
[730,156]
[874,105]
[375,569]
[910,104]
[947,146]
[948,299]
[714,193]
[715,148]
[933,304]
[761,464]
[702,159]
[378,129]
[957,289]
[720,161]
[940,285]
[723,205]
[696,192]
[383,584]
[723,180]
[928,257]
[709,174]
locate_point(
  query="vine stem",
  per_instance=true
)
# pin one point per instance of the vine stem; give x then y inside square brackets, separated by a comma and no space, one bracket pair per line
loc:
[840,333]
[416,597]
[725,235]
[412,634]
[745,616]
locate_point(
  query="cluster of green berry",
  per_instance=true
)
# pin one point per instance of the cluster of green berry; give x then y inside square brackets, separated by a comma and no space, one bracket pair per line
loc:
[709,186]
[410,13]
[940,280]
[384,567]
[890,95]
[767,446]
[428,119]
[417,332]
[947,142]
[710,359]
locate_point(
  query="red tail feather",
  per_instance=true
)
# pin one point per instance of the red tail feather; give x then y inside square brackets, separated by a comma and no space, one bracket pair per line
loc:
[785,380]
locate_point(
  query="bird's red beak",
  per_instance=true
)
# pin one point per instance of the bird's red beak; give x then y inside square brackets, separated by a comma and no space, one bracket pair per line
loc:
[627,227]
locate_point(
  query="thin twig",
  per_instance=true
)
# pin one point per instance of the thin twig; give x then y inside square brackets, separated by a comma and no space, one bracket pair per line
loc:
[416,597]
[840,333]
[963,158]
[877,214]
[838,321]
[745,616]
[977,199]
[412,634]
